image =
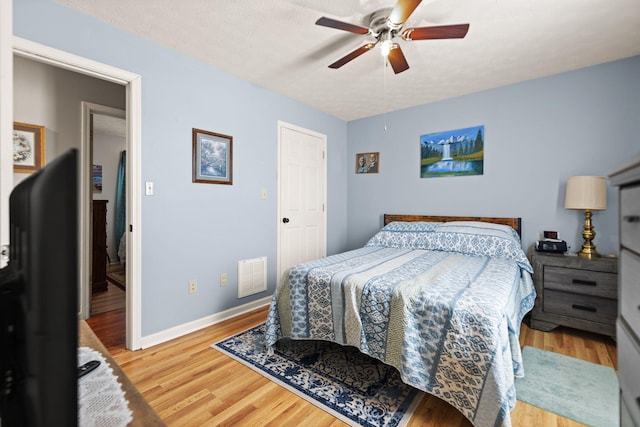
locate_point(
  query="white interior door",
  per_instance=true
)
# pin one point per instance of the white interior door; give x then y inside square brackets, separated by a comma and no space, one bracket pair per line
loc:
[302,183]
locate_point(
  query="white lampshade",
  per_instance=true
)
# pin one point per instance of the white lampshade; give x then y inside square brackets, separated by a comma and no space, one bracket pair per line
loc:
[586,192]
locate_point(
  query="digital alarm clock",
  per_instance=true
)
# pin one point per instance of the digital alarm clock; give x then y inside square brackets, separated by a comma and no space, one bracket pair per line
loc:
[551,245]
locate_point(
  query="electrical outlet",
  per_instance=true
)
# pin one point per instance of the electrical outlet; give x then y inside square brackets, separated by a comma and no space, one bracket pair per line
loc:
[223,279]
[193,286]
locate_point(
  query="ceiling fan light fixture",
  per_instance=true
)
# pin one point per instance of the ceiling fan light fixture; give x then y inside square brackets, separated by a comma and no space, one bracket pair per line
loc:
[385,47]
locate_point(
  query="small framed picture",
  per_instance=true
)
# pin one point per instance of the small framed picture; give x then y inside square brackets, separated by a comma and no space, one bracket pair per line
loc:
[367,162]
[96,178]
[28,147]
[212,157]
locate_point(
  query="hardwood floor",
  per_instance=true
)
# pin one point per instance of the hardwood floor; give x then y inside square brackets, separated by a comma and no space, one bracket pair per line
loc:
[190,384]
[111,299]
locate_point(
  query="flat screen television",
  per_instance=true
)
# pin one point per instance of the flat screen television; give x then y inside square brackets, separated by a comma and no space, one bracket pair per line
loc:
[39,300]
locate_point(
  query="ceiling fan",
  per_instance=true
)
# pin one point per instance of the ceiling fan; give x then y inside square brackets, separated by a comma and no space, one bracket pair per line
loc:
[384,26]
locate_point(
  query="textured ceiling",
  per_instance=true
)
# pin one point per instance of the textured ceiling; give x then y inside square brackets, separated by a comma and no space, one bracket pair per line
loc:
[276,44]
[110,126]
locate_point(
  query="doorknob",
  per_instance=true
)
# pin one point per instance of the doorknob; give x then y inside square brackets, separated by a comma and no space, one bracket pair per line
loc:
[285,220]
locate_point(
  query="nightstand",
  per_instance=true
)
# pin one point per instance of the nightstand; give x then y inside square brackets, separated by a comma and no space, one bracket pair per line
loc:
[576,292]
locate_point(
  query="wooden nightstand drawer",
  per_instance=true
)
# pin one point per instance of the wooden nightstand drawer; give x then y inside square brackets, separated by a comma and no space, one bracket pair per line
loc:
[630,218]
[630,290]
[584,307]
[585,282]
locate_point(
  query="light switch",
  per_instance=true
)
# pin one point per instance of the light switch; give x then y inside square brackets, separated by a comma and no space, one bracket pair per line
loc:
[264,193]
[148,188]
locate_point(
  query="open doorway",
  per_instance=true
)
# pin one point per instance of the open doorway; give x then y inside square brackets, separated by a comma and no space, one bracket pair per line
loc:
[131,83]
[107,145]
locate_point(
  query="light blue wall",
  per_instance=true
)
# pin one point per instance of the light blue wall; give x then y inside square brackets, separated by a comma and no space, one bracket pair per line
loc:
[537,134]
[196,231]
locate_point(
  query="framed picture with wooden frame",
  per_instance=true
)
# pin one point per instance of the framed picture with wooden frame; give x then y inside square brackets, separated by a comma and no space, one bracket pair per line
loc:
[212,157]
[28,147]
[367,162]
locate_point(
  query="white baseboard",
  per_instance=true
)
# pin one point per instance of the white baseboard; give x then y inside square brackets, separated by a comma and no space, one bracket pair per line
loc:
[187,328]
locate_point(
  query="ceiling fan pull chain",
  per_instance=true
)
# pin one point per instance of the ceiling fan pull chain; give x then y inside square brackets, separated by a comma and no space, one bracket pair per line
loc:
[385,65]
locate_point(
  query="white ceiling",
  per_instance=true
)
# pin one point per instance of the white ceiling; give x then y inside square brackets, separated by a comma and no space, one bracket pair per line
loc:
[276,44]
[110,126]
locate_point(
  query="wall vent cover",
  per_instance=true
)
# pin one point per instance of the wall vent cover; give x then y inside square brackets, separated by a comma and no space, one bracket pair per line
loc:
[252,276]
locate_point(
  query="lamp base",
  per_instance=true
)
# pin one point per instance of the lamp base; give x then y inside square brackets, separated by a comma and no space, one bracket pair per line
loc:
[589,253]
[588,249]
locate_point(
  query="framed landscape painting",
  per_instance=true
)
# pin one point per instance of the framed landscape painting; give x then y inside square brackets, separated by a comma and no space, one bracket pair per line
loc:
[212,157]
[452,153]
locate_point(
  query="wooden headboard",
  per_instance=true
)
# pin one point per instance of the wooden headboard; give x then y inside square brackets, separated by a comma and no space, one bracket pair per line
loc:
[515,223]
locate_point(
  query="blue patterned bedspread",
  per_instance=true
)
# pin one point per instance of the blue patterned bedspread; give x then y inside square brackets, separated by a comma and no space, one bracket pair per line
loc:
[447,320]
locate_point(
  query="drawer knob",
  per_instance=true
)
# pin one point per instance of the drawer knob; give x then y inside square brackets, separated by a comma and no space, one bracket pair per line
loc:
[631,218]
[584,282]
[584,308]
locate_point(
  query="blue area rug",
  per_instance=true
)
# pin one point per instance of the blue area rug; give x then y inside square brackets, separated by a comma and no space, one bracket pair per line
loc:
[570,387]
[341,380]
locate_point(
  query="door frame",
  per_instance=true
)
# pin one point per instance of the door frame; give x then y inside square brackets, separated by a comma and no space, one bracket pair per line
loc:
[6,123]
[132,83]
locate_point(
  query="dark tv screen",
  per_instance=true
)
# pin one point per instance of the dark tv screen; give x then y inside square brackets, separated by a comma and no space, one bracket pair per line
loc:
[39,300]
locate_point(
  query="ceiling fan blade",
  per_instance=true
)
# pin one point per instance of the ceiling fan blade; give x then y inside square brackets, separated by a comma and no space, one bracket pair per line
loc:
[402,10]
[345,26]
[397,60]
[353,55]
[441,32]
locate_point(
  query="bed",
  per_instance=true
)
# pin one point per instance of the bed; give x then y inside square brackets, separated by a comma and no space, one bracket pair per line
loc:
[439,298]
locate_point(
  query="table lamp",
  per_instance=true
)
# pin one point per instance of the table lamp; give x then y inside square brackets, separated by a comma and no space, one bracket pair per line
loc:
[588,193]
